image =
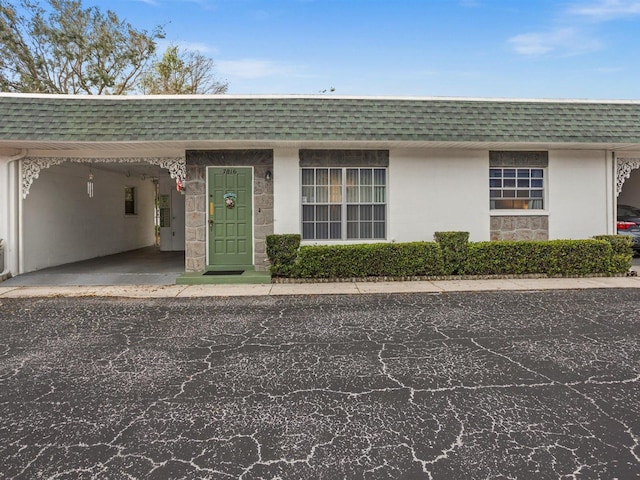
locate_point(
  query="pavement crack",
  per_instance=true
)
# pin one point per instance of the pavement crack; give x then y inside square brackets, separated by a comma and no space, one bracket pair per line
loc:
[571,386]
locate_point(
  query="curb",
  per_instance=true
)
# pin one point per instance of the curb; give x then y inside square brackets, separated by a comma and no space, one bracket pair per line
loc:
[324,288]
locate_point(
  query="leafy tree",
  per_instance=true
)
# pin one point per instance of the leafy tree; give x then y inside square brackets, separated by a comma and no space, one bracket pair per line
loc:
[181,72]
[65,48]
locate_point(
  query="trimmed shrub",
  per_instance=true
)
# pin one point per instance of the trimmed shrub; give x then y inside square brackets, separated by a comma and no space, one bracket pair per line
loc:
[554,257]
[282,251]
[455,248]
[369,260]
[504,257]
[620,243]
[622,252]
[608,254]
[571,257]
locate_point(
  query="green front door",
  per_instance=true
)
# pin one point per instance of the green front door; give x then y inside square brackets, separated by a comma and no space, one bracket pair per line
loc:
[229,216]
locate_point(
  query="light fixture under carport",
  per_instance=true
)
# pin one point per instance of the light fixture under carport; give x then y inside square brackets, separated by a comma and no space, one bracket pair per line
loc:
[90,184]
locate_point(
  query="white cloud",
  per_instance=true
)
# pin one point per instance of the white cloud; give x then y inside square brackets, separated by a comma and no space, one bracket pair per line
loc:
[575,37]
[205,4]
[563,41]
[199,47]
[532,44]
[609,70]
[604,10]
[254,68]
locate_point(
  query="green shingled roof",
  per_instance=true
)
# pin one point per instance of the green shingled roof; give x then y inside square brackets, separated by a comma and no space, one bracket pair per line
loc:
[91,119]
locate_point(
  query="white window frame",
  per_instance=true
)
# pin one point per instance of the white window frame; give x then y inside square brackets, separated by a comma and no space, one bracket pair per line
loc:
[527,190]
[337,196]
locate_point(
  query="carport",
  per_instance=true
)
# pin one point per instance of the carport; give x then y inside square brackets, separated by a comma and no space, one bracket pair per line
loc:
[143,266]
[75,209]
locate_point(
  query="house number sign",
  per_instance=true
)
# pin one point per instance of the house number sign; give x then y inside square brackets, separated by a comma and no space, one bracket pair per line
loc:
[230,171]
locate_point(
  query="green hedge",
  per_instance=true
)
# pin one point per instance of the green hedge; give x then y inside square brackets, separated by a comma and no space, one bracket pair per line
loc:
[552,257]
[370,260]
[452,254]
[621,244]
[282,251]
[455,249]
[622,252]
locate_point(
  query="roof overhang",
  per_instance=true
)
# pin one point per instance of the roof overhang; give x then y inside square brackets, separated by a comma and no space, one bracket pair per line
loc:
[133,148]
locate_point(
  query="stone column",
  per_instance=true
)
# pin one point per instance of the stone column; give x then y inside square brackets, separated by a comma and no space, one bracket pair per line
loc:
[195,219]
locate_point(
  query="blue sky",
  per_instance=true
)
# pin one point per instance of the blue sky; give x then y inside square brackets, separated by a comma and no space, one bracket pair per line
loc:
[470,48]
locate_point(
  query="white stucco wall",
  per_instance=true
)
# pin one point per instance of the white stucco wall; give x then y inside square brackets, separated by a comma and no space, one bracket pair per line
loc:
[286,185]
[172,238]
[447,190]
[61,224]
[438,190]
[578,186]
[429,191]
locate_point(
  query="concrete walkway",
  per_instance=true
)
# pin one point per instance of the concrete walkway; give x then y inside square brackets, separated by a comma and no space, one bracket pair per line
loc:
[339,288]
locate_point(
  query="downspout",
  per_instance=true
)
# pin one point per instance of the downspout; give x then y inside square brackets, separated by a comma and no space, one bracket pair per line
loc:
[611,184]
[18,156]
[15,204]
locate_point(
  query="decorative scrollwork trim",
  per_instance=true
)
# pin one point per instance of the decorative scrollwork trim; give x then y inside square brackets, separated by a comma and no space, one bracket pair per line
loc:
[31,167]
[31,170]
[624,166]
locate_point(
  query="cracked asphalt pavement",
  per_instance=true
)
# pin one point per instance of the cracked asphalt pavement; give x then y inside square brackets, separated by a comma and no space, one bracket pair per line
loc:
[438,386]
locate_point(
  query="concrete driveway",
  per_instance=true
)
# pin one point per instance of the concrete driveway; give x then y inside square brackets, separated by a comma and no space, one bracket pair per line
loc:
[144,266]
[443,386]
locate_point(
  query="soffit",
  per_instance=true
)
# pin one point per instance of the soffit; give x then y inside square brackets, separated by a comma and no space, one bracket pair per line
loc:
[179,148]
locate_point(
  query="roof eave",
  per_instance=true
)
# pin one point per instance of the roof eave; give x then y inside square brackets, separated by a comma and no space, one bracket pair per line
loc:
[180,146]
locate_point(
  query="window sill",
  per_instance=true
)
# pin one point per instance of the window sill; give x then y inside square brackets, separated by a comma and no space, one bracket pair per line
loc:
[342,242]
[519,213]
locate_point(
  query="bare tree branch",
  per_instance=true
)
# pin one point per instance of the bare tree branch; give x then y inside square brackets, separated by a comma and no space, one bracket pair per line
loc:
[70,49]
[182,72]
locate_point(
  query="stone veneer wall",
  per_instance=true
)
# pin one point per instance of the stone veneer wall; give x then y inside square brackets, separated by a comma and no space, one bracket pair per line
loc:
[196,202]
[515,227]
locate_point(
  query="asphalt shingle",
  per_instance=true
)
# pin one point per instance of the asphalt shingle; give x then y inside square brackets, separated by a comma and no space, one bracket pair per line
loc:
[84,118]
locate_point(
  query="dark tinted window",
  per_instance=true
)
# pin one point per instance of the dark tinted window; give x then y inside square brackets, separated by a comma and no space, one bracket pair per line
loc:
[628,211]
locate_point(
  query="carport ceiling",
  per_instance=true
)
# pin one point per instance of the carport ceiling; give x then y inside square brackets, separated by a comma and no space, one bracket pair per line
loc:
[138,169]
[130,169]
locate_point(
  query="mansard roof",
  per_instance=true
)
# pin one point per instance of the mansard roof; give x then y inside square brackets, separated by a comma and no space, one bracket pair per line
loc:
[64,118]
